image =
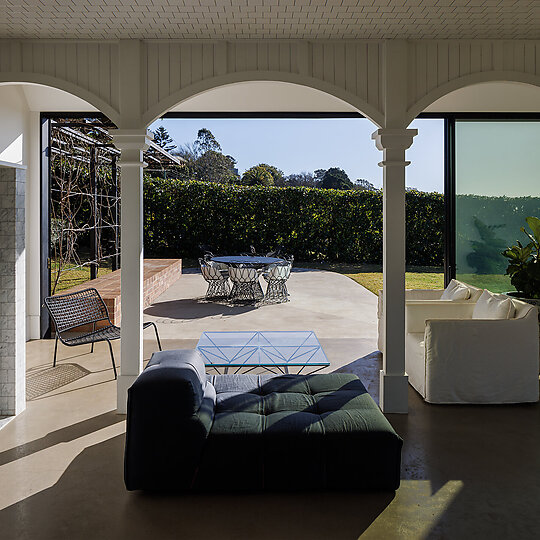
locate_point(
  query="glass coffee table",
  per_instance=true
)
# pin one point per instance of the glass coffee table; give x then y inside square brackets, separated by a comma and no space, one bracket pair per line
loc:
[274,351]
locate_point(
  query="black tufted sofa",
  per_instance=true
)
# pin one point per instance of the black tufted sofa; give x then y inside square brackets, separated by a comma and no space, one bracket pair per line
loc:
[189,430]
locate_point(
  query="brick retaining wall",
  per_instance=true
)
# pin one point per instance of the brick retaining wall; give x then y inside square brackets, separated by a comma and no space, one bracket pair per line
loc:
[159,275]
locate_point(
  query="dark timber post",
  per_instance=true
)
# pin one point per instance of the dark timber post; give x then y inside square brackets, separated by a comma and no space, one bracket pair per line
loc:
[45,226]
[449,200]
[93,230]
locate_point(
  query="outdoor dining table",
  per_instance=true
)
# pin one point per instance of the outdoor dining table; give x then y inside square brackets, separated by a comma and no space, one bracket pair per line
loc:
[247,260]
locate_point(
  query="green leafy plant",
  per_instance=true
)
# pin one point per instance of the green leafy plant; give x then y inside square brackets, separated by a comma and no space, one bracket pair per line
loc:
[524,261]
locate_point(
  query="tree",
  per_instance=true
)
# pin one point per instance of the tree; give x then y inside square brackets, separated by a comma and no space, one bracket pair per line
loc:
[206,142]
[364,185]
[258,175]
[335,178]
[163,139]
[213,166]
[319,174]
[277,174]
[302,179]
[205,161]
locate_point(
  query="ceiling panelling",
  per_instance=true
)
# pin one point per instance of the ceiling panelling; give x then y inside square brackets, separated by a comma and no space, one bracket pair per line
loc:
[274,19]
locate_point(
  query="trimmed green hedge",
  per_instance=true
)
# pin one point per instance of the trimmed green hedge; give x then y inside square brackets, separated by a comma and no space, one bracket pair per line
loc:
[311,224]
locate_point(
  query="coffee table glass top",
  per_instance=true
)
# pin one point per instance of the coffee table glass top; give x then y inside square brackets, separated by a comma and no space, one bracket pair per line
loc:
[225,349]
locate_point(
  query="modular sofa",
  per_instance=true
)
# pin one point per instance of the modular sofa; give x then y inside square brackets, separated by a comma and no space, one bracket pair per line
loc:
[189,430]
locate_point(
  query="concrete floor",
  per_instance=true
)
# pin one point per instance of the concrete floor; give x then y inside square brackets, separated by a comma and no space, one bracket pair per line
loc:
[467,472]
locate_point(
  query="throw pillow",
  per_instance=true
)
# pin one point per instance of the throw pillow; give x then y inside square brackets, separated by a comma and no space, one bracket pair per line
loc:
[493,306]
[456,291]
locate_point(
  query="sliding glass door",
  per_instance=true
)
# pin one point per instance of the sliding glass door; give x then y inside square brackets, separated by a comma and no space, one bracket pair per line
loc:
[497,185]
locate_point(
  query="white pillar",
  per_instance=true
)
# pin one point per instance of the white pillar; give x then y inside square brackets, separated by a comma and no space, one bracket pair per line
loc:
[393,379]
[33,226]
[12,291]
[132,143]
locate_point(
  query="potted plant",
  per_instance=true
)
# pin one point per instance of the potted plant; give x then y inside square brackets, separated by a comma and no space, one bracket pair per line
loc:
[524,265]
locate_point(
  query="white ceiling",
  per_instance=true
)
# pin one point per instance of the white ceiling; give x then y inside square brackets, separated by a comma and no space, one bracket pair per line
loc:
[256,19]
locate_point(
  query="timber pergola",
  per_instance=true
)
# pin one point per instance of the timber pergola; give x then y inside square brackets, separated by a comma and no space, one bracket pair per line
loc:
[390,81]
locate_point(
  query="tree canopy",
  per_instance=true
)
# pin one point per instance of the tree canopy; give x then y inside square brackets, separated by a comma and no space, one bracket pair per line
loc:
[259,175]
[335,178]
[163,139]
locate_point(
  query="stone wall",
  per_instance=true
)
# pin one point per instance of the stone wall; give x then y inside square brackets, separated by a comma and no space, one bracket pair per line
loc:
[12,291]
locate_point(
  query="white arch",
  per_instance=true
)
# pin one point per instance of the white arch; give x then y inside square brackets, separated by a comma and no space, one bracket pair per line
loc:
[468,80]
[66,86]
[175,98]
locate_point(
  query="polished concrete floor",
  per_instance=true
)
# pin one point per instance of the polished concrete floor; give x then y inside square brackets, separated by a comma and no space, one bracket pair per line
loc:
[467,472]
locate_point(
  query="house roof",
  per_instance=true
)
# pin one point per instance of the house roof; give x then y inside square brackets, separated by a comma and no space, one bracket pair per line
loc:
[270,19]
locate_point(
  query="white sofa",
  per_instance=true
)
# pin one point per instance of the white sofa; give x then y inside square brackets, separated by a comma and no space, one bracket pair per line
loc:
[461,359]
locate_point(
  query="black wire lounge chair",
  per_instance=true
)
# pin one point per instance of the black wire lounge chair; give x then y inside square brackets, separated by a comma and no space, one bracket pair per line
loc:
[81,309]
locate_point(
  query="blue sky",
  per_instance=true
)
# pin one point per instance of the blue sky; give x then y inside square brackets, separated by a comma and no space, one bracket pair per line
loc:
[295,145]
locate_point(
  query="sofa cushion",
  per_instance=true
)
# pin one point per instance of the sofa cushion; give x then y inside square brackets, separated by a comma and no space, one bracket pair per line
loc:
[175,374]
[297,432]
[493,306]
[456,291]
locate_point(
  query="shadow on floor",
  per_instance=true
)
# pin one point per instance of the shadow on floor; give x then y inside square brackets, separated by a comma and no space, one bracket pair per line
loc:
[188,308]
[43,381]
[90,501]
[64,435]
[367,370]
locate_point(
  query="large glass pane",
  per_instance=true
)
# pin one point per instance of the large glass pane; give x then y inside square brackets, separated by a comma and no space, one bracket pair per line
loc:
[497,187]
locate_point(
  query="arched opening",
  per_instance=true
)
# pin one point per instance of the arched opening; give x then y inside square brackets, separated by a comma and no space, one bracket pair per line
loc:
[319,299]
[282,88]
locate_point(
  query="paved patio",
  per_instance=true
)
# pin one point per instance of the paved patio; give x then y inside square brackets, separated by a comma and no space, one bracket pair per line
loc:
[340,312]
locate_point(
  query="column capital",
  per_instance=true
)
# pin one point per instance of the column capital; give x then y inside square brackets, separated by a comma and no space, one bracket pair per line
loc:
[393,139]
[394,142]
[131,142]
[132,139]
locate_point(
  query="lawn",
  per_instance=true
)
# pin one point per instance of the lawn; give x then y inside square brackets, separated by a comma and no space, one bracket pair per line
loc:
[373,281]
[74,277]
[370,275]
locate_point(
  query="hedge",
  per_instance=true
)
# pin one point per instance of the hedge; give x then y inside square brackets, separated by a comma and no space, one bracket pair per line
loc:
[312,224]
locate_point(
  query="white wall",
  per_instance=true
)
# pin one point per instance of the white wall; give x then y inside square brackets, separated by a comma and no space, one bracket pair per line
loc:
[20,108]
[13,124]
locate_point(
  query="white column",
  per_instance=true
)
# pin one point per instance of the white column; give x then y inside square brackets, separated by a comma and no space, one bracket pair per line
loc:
[393,379]
[12,291]
[33,226]
[132,143]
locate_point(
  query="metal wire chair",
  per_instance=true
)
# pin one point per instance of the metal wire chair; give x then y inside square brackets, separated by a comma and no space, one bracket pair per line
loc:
[276,275]
[246,286]
[216,275]
[81,309]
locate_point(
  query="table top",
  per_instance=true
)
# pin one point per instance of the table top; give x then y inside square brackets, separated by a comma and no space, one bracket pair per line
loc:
[247,259]
[224,349]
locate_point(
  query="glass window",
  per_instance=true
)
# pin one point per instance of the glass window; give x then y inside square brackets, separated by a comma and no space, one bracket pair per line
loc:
[497,187]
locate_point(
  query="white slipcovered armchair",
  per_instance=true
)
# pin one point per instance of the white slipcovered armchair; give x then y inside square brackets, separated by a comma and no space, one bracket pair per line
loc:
[465,353]
[443,306]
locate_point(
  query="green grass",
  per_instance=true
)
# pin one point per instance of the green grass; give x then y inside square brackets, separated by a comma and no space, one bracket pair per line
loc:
[74,277]
[373,281]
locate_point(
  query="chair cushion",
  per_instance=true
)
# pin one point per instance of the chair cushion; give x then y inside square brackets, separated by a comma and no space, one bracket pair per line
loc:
[456,291]
[493,306]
